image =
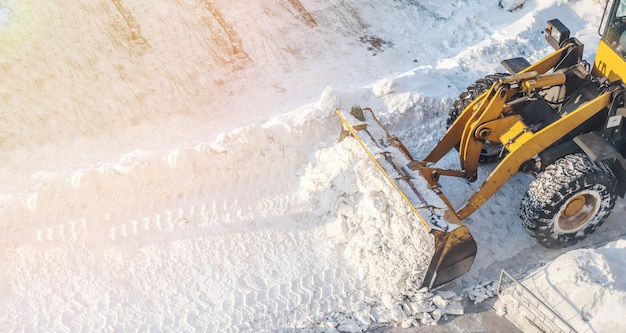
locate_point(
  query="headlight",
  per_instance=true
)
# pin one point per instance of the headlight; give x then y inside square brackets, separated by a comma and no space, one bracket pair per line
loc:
[556,33]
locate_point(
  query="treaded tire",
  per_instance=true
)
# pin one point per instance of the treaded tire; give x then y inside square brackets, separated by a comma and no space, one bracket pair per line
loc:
[567,201]
[491,150]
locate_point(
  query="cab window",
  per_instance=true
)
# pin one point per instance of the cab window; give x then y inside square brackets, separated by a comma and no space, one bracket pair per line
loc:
[615,34]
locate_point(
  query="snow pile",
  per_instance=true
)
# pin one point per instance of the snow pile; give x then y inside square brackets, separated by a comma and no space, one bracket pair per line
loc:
[414,307]
[368,220]
[585,287]
[592,282]
[482,291]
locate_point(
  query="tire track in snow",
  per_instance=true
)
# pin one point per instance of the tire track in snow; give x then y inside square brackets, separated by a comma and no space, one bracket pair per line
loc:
[202,186]
[191,213]
[287,304]
[135,36]
[343,18]
[225,35]
[303,14]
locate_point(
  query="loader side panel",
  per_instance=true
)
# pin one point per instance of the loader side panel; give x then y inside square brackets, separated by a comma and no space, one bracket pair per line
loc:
[608,63]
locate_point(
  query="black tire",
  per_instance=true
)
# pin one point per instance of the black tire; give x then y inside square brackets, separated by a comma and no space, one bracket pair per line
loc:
[491,150]
[567,201]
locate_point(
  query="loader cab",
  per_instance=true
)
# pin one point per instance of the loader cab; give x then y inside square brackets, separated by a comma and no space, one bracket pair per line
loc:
[610,61]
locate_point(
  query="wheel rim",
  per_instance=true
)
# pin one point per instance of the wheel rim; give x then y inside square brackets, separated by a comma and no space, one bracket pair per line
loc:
[578,211]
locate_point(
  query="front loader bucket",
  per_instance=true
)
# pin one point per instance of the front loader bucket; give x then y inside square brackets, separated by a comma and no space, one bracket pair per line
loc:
[454,254]
[455,248]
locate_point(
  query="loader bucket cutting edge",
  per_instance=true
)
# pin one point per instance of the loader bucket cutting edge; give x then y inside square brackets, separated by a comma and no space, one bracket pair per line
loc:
[455,248]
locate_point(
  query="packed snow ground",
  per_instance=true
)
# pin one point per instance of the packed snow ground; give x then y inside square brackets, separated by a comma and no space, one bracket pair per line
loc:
[174,166]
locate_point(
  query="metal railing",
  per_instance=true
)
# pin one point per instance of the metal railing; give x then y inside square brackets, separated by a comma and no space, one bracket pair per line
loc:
[538,313]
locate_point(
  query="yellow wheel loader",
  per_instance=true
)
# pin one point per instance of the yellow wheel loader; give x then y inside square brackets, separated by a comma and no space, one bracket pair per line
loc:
[560,119]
